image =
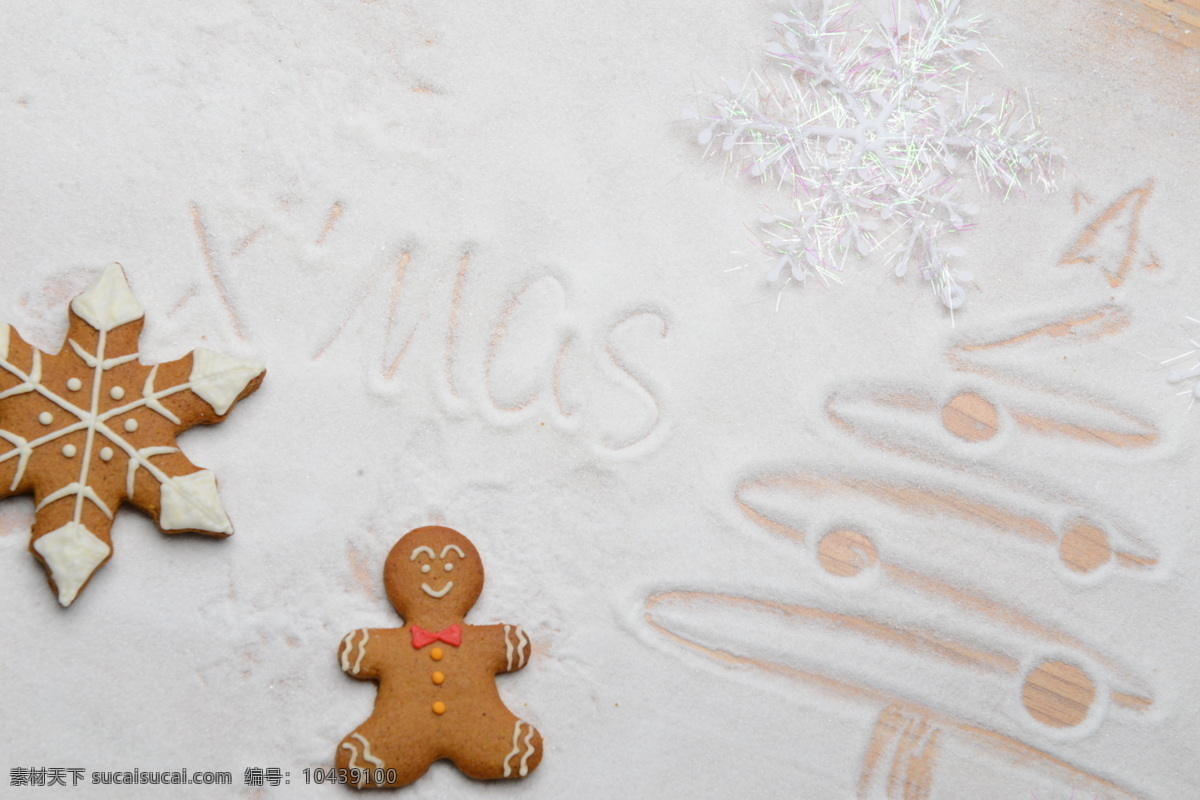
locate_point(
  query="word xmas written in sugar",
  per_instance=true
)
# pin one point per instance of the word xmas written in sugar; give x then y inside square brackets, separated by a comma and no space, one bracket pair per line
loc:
[527,359]
[519,350]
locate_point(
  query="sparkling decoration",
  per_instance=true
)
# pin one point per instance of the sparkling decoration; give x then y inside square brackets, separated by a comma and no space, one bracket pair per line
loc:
[870,129]
[1190,375]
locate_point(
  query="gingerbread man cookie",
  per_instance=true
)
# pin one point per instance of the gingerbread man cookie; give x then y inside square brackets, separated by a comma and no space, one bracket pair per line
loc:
[437,693]
[91,427]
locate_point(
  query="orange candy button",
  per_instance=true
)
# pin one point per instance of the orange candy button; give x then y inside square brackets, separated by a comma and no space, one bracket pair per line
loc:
[438,678]
[436,654]
[439,708]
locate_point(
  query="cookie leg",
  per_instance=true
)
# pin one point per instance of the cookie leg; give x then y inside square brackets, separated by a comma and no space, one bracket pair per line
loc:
[378,754]
[504,747]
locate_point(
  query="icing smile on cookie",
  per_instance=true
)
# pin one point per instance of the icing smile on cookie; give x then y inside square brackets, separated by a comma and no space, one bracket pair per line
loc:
[447,566]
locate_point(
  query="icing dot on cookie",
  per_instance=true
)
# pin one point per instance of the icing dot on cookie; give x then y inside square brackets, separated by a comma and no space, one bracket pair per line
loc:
[131,425]
[45,418]
[68,450]
[448,567]
[439,708]
[116,393]
[106,454]
[74,384]
[436,654]
[438,677]
[426,568]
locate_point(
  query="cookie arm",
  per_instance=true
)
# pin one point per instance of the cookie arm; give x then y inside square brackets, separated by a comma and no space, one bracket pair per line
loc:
[512,647]
[355,655]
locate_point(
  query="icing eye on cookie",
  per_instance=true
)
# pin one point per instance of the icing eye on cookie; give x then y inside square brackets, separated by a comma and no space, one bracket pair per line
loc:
[422,549]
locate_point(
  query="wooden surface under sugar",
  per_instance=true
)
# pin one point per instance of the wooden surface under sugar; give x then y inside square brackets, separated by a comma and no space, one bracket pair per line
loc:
[1175,20]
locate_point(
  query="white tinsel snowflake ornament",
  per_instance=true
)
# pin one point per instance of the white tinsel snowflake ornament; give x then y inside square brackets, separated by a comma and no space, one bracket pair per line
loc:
[870,129]
[1189,376]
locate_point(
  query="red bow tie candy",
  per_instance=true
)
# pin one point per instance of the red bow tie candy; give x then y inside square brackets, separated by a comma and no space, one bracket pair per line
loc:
[451,636]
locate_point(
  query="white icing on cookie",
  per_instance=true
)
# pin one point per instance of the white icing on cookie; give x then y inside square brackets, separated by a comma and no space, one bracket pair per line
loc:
[150,397]
[108,303]
[422,549]
[106,453]
[45,418]
[521,642]
[69,450]
[508,648]
[528,752]
[516,748]
[30,382]
[362,776]
[346,650]
[72,552]
[131,425]
[190,502]
[453,547]
[426,568]
[378,762]
[80,491]
[116,393]
[94,361]
[74,384]
[220,379]
[134,463]
[362,651]
[438,594]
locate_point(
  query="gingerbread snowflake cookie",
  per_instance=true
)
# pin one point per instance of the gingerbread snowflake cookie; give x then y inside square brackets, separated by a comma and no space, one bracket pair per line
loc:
[91,427]
[437,693]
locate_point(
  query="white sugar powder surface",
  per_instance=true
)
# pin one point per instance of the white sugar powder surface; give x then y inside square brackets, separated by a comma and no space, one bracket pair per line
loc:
[496,287]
